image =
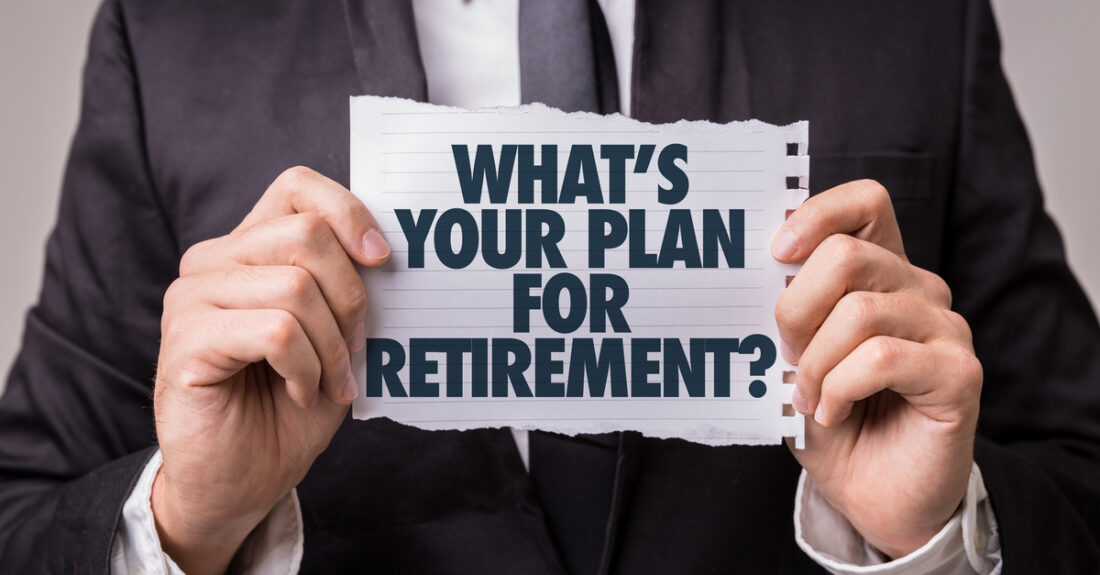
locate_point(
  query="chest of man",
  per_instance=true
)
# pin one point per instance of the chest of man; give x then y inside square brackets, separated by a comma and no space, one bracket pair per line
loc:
[234,94]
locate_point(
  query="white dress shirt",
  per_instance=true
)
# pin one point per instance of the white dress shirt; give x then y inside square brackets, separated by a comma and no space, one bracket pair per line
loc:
[470,51]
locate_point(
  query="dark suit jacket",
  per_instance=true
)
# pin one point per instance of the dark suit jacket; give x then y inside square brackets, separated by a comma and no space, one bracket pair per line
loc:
[191,108]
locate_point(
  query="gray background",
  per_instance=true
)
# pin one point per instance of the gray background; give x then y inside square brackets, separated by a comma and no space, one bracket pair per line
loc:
[1049,52]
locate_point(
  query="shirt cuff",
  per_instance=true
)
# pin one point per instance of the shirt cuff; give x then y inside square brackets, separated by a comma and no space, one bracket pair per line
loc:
[969,543]
[275,546]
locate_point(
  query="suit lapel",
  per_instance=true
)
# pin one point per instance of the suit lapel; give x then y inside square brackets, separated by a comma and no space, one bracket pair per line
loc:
[385,48]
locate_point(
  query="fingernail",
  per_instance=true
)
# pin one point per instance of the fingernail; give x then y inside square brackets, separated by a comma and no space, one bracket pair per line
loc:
[351,389]
[788,354]
[819,415]
[358,338]
[799,402]
[375,246]
[785,245]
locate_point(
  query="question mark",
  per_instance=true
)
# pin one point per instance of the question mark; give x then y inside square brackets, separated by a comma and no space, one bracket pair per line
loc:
[760,365]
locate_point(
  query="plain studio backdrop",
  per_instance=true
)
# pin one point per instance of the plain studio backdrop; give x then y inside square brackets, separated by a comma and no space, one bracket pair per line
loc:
[1049,53]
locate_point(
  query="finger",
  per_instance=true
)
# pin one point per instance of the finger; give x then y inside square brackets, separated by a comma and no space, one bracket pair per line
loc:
[302,190]
[859,316]
[215,344]
[840,265]
[300,240]
[934,378]
[862,209]
[279,287]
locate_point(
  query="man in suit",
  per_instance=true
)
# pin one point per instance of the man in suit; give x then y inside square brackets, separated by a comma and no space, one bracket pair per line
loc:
[192,112]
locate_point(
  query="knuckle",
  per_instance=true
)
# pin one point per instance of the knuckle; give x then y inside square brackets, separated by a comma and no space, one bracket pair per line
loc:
[295,176]
[175,329]
[969,367]
[357,299]
[841,249]
[874,195]
[297,284]
[352,210]
[859,308]
[281,329]
[967,375]
[308,232]
[883,353]
[945,295]
[959,324]
[335,355]
[810,213]
[938,288]
[193,257]
[309,226]
[174,295]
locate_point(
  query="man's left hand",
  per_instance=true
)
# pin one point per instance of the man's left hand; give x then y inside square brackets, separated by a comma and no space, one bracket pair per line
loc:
[885,368]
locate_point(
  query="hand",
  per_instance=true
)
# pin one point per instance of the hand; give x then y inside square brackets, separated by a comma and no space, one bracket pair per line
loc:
[885,368]
[254,375]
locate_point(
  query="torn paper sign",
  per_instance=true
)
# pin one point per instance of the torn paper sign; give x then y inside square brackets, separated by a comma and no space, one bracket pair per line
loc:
[575,273]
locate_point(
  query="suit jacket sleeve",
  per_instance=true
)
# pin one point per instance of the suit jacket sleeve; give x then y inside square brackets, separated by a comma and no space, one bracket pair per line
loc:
[1034,331]
[75,419]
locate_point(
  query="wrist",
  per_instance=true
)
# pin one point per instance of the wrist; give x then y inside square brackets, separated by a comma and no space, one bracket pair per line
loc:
[897,547]
[198,542]
[896,538]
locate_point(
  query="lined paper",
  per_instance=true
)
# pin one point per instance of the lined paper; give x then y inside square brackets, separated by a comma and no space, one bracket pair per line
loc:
[402,159]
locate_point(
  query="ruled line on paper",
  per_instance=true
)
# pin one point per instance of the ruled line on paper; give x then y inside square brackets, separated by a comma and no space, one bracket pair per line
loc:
[562,152]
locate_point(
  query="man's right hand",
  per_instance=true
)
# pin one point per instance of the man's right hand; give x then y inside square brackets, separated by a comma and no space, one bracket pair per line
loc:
[254,375]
